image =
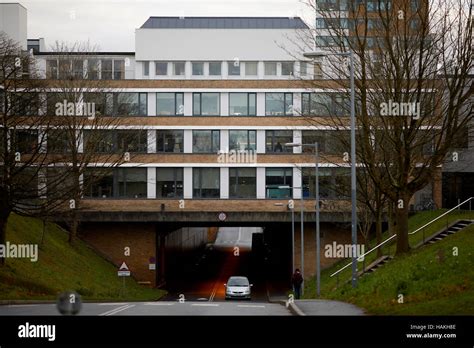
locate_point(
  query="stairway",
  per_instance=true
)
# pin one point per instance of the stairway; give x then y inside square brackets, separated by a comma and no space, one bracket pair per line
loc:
[456,227]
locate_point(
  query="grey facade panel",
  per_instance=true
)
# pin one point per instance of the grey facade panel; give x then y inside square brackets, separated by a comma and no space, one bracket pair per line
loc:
[225,23]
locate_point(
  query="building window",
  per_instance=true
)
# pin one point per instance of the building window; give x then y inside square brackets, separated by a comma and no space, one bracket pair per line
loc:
[243,140]
[130,104]
[115,141]
[331,142]
[325,104]
[132,141]
[99,183]
[25,141]
[334,183]
[119,69]
[318,70]
[206,141]
[242,183]
[106,69]
[99,141]
[270,68]
[287,68]
[279,104]
[242,104]
[206,104]
[215,68]
[132,182]
[169,141]
[233,68]
[146,68]
[161,68]
[92,69]
[169,182]
[178,69]
[276,140]
[279,182]
[104,103]
[52,69]
[198,68]
[25,104]
[251,68]
[304,68]
[206,182]
[59,141]
[169,104]
[78,69]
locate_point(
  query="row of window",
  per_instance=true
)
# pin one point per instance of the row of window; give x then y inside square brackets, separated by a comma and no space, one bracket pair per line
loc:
[172,141]
[349,23]
[90,68]
[370,5]
[234,68]
[132,183]
[203,104]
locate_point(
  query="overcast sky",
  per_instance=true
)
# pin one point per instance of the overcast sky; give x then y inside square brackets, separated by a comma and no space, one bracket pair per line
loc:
[111,23]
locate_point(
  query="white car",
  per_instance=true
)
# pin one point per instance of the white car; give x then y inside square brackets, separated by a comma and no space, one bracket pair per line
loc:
[238,287]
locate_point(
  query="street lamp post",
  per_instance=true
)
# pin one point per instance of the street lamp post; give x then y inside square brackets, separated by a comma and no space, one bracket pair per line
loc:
[349,54]
[318,244]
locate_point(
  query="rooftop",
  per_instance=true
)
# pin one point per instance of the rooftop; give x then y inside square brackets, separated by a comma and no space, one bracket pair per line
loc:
[224,23]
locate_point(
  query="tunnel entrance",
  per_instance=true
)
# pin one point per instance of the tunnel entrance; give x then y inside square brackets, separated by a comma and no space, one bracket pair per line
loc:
[199,273]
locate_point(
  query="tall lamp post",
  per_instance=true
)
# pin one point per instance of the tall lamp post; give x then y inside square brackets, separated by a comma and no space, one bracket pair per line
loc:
[350,54]
[318,238]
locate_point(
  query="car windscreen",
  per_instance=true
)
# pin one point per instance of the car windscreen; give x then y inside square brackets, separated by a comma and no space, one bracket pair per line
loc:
[238,282]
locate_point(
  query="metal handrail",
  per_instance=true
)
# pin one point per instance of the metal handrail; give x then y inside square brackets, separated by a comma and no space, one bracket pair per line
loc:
[361,257]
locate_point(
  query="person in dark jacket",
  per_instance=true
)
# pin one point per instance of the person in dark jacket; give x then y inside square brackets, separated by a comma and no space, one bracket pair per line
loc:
[297,280]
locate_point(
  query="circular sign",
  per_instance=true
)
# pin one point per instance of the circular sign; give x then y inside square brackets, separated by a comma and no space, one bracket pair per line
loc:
[222,216]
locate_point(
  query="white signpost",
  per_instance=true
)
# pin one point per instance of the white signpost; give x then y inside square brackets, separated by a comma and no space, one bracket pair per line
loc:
[123,270]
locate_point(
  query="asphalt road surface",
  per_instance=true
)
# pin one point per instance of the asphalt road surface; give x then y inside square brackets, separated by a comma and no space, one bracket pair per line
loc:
[154,308]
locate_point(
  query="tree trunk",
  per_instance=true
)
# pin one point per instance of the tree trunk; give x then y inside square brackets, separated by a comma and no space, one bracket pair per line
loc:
[73,228]
[401,216]
[3,231]
[378,230]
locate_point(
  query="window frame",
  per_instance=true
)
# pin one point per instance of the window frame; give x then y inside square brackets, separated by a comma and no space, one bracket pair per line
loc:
[200,170]
[237,194]
[249,95]
[200,104]
[176,107]
[175,181]
[161,133]
[285,111]
[212,146]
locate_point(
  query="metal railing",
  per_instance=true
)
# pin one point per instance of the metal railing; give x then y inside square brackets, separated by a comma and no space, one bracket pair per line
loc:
[361,257]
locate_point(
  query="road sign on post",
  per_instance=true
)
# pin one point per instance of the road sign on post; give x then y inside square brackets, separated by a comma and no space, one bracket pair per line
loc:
[123,271]
[152,263]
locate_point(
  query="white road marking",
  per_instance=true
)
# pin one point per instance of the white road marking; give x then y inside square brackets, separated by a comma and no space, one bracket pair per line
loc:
[251,306]
[205,304]
[113,304]
[24,305]
[159,304]
[116,310]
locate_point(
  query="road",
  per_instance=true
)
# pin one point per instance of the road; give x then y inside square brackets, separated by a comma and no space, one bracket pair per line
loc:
[154,308]
[199,294]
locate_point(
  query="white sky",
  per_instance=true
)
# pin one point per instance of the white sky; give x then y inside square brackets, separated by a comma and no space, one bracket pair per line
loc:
[111,24]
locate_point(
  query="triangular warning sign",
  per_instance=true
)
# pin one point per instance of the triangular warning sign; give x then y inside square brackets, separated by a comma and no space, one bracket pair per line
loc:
[124,267]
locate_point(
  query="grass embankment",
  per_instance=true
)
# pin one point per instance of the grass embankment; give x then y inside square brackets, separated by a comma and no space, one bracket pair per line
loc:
[431,279]
[61,267]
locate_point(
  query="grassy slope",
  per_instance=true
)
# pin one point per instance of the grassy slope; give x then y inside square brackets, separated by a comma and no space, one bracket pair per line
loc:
[60,268]
[429,286]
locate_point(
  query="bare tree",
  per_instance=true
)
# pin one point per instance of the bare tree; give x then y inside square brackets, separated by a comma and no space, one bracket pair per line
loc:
[413,92]
[21,133]
[85,143]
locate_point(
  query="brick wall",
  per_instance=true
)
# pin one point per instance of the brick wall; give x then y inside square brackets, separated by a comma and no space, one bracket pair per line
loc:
[110,239]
